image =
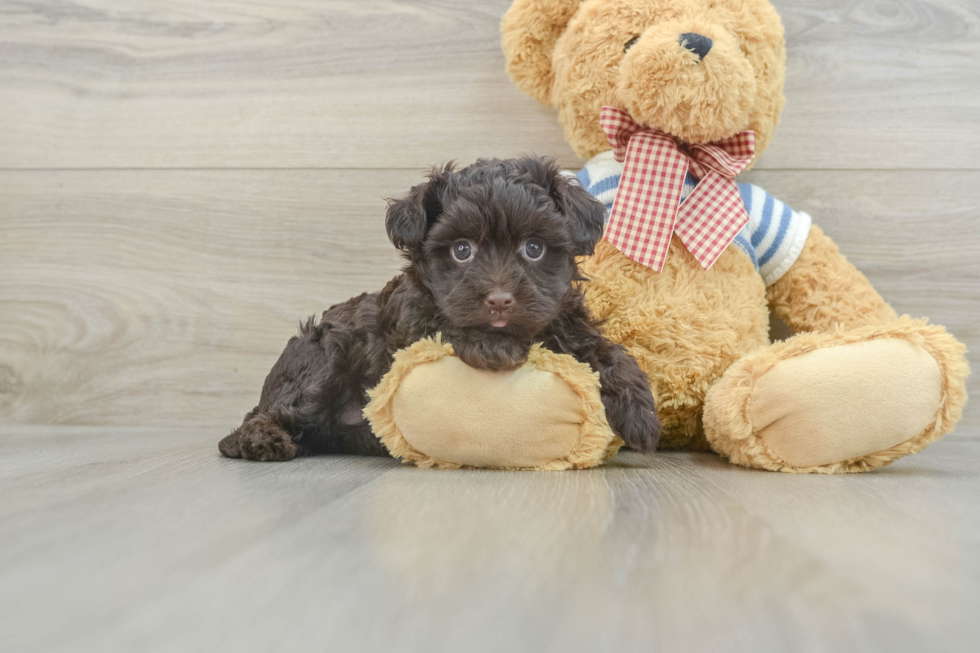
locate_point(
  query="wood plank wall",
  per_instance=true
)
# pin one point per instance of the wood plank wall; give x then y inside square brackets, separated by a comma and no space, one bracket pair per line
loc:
[181,182]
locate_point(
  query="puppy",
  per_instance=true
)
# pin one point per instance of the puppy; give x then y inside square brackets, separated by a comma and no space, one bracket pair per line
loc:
[491,265]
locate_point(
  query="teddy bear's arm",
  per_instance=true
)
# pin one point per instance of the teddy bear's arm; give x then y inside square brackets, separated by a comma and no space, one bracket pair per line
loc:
[822,289]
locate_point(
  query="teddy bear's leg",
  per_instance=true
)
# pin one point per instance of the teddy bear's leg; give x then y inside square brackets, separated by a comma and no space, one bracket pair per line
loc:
[844,401]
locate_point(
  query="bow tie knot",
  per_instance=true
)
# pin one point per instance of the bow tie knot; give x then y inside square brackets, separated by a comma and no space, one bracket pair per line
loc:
[648,209]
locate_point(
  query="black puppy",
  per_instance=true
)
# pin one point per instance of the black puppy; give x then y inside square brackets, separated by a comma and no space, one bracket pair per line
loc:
[491,265]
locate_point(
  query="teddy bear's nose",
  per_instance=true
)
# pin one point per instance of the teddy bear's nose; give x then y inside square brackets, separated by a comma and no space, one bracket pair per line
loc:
[699,45]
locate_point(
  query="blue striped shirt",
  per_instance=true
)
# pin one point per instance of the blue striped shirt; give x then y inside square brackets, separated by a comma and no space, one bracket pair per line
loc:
[773,238]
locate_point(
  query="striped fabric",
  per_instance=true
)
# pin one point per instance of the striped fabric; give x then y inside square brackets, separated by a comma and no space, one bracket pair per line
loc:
[773,239]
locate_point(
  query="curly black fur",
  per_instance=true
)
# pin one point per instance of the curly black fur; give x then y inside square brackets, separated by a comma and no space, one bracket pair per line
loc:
[313,398]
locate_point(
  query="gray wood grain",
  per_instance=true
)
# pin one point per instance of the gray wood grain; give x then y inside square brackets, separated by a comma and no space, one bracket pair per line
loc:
[875,84]
[162,298]
[147,540]
[164,287]
[338,84]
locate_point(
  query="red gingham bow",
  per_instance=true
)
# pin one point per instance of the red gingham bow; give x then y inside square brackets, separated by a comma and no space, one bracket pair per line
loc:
[646,213]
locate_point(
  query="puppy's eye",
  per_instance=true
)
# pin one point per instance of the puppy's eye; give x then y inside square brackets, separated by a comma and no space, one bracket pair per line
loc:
[630,44]
[533,250]
[462,250]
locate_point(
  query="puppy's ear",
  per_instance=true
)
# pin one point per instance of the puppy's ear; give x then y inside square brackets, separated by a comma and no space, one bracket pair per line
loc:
[586,215]
[408,219]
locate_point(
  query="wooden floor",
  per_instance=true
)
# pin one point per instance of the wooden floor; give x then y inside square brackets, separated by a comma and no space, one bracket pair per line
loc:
[147,540]
[182,181]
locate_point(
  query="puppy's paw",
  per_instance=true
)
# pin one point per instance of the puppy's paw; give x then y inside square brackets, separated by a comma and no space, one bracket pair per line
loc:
[634,421]
[642,431]
[260,439]
[229,445]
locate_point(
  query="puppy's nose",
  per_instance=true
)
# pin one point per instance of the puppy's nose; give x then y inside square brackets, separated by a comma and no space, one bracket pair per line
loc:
[699,45]
[500,301]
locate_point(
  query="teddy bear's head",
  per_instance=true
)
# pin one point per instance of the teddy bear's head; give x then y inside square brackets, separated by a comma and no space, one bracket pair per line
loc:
[700,70]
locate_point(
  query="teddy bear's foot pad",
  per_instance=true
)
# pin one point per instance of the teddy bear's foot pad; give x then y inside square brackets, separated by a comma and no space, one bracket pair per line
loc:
[840,403]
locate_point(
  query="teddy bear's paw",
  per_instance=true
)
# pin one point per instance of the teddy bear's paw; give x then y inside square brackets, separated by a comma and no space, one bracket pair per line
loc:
[838,402]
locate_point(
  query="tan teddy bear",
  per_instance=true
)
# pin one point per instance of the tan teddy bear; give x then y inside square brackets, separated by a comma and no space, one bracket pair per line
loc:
[647,86]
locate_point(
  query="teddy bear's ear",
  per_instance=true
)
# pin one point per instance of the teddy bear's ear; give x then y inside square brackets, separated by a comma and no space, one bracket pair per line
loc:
[530,29]
[408,219]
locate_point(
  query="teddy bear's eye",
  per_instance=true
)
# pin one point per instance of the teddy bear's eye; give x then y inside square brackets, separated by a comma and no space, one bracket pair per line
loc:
[630,44]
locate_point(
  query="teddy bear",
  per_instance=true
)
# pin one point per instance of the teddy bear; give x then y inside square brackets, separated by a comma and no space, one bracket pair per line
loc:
[668,100]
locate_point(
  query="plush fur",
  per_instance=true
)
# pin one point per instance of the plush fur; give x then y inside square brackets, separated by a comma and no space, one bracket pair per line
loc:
[732,433]
[570,435]
[701,333]
[572,55]
[491,304]
[684,327]
[822,291]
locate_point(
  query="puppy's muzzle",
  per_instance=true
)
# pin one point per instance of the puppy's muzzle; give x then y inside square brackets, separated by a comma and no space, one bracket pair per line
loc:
[500,304]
